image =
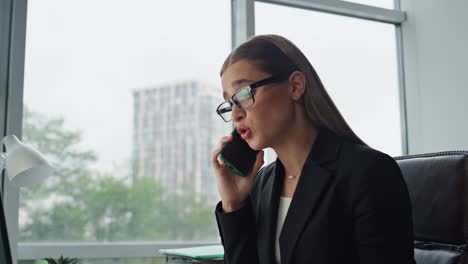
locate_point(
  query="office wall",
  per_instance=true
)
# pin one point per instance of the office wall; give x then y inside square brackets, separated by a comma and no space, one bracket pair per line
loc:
[435,42]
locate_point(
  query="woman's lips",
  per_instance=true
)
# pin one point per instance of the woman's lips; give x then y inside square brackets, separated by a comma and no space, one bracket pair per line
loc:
[244,133]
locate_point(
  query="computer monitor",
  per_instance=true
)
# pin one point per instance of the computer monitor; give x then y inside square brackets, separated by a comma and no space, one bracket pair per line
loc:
[5,252]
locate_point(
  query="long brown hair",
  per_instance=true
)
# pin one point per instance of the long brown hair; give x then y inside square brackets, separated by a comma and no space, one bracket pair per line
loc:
[274,54]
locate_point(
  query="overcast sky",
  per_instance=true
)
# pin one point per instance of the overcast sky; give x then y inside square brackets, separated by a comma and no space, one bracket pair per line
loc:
[84,59]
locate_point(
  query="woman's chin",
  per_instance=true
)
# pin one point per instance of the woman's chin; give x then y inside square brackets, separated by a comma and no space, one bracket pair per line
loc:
[254,144]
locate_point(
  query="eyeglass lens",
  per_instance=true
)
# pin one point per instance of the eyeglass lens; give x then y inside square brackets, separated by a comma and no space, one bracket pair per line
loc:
[243,99]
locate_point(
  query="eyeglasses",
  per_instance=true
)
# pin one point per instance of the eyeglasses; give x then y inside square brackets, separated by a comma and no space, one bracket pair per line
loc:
[244,98]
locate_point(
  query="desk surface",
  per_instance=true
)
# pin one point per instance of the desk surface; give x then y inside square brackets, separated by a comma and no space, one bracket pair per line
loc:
[182,260]
[204,254]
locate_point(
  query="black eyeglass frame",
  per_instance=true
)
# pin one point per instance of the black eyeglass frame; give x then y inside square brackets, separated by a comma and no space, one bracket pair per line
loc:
[271,79]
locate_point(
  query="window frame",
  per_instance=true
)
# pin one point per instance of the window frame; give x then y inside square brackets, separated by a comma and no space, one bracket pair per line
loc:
[12,51]
[13,21]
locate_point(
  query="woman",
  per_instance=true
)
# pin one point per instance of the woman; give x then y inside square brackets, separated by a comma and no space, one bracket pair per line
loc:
[328,198]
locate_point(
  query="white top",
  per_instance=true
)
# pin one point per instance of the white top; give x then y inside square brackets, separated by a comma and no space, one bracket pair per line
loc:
[282,211]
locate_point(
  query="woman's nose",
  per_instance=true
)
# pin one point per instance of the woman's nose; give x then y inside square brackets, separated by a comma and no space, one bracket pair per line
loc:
[237,113]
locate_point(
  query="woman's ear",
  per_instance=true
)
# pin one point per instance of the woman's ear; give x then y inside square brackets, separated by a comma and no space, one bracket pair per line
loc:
[297,83]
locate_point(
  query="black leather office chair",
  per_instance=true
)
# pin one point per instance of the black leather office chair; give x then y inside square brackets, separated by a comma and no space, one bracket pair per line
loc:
[438,187]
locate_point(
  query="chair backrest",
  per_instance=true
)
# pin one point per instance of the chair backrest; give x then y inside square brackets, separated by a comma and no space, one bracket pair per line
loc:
[438,188]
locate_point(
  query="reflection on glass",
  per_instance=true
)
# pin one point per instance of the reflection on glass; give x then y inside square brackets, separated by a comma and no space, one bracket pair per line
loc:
[356,61]
[121,97]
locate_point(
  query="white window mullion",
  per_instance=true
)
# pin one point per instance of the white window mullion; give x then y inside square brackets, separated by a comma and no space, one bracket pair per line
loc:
[243,21]
[344,8]
[13,34]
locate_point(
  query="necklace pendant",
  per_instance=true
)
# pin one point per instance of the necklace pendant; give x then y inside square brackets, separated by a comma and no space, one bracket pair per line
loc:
[291,177]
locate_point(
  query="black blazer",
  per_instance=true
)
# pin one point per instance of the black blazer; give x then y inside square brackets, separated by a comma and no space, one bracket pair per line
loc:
[351,205]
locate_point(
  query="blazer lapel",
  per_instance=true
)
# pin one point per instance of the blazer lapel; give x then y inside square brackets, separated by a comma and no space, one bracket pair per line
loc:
[312,184]
[268,216]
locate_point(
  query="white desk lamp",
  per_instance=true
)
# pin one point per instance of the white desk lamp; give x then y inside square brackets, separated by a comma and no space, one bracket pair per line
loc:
[24,165]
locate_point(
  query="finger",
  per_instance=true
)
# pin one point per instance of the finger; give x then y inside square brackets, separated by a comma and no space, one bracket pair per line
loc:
[214,158]
[221,162]
[225,140]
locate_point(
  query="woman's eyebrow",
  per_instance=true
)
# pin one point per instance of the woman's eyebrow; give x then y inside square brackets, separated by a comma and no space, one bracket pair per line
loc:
[240,81]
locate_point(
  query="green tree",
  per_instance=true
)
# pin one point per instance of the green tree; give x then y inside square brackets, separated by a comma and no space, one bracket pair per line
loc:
[85,204]
[64,218]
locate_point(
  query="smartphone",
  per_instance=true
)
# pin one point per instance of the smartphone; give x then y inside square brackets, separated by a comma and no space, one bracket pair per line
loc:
[238,155]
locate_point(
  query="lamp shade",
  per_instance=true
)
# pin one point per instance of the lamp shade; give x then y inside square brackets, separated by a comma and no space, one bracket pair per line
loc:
[24,165]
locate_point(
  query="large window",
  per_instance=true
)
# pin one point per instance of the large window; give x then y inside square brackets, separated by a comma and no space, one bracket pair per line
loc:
[356,61]
[121,97]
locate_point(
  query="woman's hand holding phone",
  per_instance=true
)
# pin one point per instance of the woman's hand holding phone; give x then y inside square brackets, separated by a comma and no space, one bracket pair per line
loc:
[233,188]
